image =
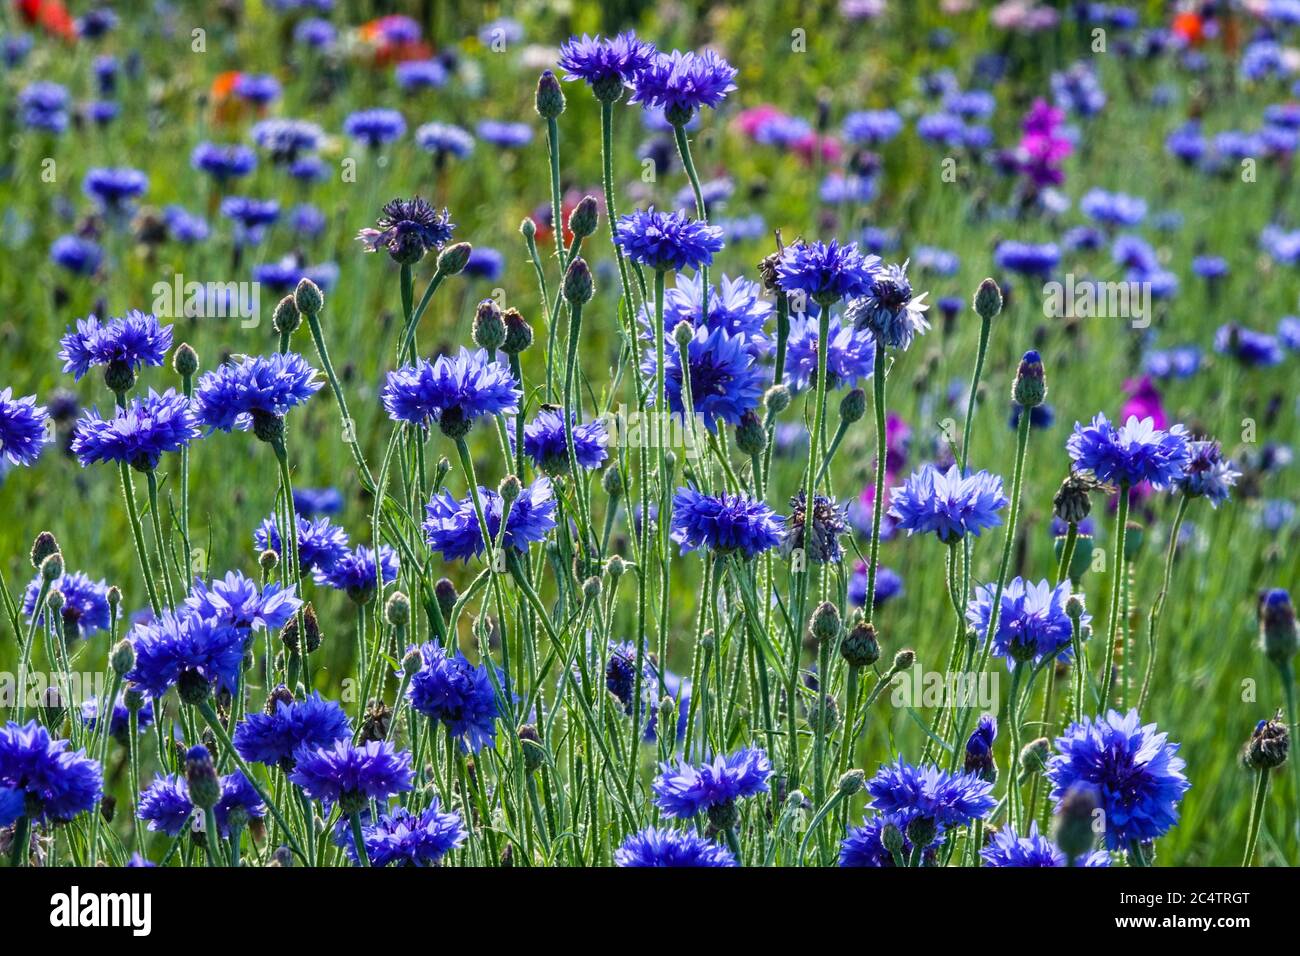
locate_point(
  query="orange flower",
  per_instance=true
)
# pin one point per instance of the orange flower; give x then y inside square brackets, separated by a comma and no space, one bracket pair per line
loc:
[1189,27]
[50,15]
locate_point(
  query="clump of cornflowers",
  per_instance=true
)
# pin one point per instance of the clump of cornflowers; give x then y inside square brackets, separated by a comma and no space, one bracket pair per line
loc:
[725,380]
[359,572]
[120,345]
[85,603]
[139,433]
[403,838]
[119,717]
[608,66]
[682,790]
[865,846]
[948,504]
[660,846]
[77,255]
[1133,453]
[1007,849]
[1209,475]
[665,242]
[736,306]
[166,806]
[850,353]
[24,430]
[818,536]
[408,229]
[930,798]
[825,273]
[188,651]
[236,600]
[56,783]
[888,309]
[546,442]
[1032,622]
[452,529]
[1028,258]
[256,392]
[724,524]
[223,162]
[320,542]
[451,390]
[681,84]
[351,776]
[272,738]
[1134,770]
[449,689]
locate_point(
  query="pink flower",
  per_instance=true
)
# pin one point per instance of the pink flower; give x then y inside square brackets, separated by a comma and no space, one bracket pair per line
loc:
[1144,402]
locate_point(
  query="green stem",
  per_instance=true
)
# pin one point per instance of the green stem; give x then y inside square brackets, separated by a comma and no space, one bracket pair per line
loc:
[1153,622]
[1256,815]
[1117,584]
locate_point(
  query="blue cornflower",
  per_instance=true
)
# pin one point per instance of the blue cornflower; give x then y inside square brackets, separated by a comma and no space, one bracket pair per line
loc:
[236,395]
[356,573]
[657,846]
[1209,475]
[727,523]
[451,527]
[682,83]
[546,442]
[444,139]
[138,434]
[863,846]
[1179,362]
[736,306]
[375,127]
[287,139]
[85,603]
[315,32]
[238,804]
[978,758]
[113,189]
[484,262]
[504,135]
[223,162]
[682,790]
[237,601]
[606,65]
[310,502]
[283,276]
[183,226]
[947,503]
[1133,769]
[187,650]
[888,309]
[667,241]
[1210,267]
[1032,623]
[79,256]
[56,783]
[132,341]
[452,390]
[403,838]
[408,229]
[829,522]
[850,353]
[352,775]
[620,673]
[13,804]
[725,379]
[1288,332]
[272,738]
[23,428]
[889,584]
[947,799]
[165,804]
[1129,455]
[448,688]
[1250,348]
[1007,849]
[119,721]
[44,106]
[1113,209]
[1027,258]
[420,75]
[871,127]
[825,273]
[320,543]
[250,215]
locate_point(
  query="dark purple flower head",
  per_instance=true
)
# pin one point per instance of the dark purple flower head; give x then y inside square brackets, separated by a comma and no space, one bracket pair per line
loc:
[79,256]
[1032,623]
[606,65]
[682,790]
[888,309]
[726,523]
[273,738]
[656,846]
[666,242]
[828,523]
[232,395]
[1249,347]
[320,543]
[351,775]
[452,390]
[546,442]
[139,434]
[979,749]
[947,504]
[1209,475]
[375,127]
[24,428]
[237,601]
[726,381]
[863,846]
[223,163]
[114,188]
[356,573]
[1133,769]
[56,783]
[403,838]
[408,229]
[825,273]
[947,799]
[188,650]
[682,83]
[1007,849]
[131,342]
[450,689]
[1129,455]
[451,527]
[85,603]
